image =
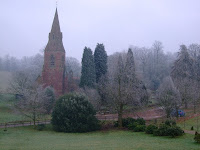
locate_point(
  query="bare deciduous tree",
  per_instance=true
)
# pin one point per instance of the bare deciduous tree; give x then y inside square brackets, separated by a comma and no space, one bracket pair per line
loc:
[33,101]
[121,85]
[92,95]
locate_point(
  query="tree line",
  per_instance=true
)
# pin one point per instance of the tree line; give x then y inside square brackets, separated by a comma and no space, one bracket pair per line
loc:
[127,79]
[132,78]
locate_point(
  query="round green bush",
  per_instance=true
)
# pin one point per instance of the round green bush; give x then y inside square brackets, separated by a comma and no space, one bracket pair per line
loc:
[140,121]
[150,129]
[140,128]
[174,131]
[162,130]
[125,122]
[73,113]
[133,125]
[166,130]
[41,127]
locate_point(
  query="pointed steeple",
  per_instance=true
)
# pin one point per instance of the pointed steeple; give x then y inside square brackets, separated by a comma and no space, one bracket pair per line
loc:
[55,36]
[55,26]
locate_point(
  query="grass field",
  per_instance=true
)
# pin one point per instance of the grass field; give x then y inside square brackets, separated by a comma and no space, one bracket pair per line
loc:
[5,78]
[26,138]
[7,111]
[189,123]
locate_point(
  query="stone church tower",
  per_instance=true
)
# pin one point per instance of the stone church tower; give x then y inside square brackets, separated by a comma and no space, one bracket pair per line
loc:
[53,73]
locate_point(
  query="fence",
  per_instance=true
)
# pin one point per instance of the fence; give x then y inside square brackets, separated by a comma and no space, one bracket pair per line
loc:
[22,123]
[29,123]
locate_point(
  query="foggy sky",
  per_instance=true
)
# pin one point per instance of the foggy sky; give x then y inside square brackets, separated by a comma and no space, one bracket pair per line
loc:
[25,24]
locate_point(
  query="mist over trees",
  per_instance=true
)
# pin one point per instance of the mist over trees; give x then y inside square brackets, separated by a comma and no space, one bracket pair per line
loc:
[185,74]
[168,96]
[35,63]
[152,64]
[74,66]
[121,85]
[124,78]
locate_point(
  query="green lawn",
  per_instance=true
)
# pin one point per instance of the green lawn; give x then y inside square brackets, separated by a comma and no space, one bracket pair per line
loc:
[7,111]
[26,138]
[189,123]
[5,78]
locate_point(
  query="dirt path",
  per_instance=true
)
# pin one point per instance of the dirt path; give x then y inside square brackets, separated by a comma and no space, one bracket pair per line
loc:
[147,114]
[189,132]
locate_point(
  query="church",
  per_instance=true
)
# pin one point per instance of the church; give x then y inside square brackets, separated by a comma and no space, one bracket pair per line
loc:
[54,73]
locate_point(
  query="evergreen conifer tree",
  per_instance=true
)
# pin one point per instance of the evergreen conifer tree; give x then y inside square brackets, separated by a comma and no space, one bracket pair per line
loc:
[100,59]
[183,74]
[130,66]
[88,77]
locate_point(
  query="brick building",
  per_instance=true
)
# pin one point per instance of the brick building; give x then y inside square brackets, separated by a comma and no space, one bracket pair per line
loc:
[53,73]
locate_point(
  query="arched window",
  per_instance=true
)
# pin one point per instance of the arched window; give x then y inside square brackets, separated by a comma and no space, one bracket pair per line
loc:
[52,61]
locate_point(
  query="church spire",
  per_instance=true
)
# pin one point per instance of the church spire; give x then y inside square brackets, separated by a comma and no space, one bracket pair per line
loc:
[55,26]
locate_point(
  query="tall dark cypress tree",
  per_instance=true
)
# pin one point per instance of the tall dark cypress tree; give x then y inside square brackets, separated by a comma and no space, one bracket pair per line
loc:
[130,65]
[100,60]
[88,77]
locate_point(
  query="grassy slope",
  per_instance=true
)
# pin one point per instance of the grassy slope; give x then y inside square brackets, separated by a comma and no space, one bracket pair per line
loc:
[24,138]
[190,119]
[189,123]
[5,78]
[7,111]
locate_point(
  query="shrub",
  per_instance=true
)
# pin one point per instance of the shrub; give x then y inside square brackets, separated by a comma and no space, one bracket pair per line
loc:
[174,131]
[125,122]
[161,131]
[197,137]
[133,125]
[41,127]
[140,128]
[73,113]
[192,128]
[116,124]
[150,129]
[170,122]
[140,121]
[166,130]
[105,125]
[137,122]
[156,132]
[130,123]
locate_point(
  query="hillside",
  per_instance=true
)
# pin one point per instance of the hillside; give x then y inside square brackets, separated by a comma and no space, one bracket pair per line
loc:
[5,78]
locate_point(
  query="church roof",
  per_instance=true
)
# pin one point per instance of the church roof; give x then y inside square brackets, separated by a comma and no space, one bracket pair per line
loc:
[55,36]
[55,26]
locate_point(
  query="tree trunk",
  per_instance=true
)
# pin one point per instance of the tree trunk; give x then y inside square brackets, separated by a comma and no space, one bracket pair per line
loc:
[186,104]
[120,113]
[194,107]
[177,115]
[168,113]
[197,123]
[34,119]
